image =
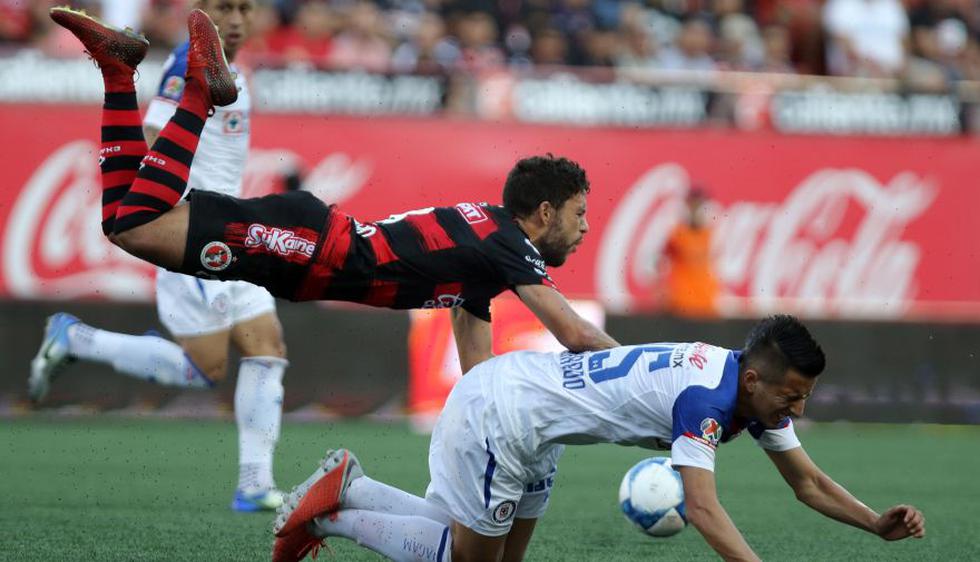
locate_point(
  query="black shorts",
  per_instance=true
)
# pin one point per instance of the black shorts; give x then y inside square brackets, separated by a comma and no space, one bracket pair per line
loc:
[269,241]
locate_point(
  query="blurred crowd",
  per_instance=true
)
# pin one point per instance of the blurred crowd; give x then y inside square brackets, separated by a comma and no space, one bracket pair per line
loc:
[926,42]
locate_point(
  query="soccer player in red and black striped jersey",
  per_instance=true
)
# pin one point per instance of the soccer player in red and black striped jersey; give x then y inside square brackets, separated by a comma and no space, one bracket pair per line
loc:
[300,249]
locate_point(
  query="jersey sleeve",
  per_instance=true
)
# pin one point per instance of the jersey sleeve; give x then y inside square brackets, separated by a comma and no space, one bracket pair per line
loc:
[782,438]
[518,260]
[697,429]
[171,89]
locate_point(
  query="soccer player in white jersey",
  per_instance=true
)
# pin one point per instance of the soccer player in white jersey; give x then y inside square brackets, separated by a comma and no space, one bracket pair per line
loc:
[495,448]
[203,315]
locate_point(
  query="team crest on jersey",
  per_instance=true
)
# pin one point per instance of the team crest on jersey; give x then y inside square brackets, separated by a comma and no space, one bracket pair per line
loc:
[233,123]
[472,213]
[504,511]
[711,431]
[216,256]
[173,87]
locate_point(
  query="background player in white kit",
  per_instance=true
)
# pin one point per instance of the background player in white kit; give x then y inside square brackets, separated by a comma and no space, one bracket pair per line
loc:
[495,448]
[203,316]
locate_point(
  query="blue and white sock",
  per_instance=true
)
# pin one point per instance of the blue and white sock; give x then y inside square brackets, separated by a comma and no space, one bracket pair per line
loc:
[258,412]
[402,538]
[150,358]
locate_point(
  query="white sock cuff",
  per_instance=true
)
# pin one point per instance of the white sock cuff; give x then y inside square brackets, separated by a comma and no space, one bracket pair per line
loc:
[273,365]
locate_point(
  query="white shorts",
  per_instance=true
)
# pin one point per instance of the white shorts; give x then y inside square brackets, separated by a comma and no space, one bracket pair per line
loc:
[477,475]
[190,307]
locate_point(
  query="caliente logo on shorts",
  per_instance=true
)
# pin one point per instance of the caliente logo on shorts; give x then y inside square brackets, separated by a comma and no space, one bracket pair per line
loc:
[216,256]
[504,511]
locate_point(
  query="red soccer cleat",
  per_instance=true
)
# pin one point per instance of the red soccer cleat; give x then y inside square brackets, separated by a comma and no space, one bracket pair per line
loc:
[322,493]
[294,546]
[110,48]
[206,60]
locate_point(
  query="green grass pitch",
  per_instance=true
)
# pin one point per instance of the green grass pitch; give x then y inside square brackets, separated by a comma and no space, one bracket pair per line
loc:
[108,488]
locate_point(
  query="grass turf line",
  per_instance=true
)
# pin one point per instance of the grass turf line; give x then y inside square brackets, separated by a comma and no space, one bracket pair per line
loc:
[109,488]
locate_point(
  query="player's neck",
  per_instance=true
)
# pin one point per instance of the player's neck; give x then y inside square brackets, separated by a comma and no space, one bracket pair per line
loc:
[531,228]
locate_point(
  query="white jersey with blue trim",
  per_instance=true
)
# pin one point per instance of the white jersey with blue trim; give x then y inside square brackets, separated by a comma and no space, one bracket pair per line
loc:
[220,159]
[676,396]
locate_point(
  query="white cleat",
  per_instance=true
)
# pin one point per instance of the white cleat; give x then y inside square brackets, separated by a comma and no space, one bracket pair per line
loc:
[52,357]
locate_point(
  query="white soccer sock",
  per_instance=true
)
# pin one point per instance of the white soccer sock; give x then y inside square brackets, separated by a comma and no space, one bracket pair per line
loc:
[365,493]
[403,538]
[150,358]
[258,411]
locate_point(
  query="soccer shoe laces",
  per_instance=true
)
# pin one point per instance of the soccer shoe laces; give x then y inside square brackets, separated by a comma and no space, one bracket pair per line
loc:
[315,551]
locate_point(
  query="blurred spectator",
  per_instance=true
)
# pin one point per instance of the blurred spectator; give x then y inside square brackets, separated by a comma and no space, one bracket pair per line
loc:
[310,37]
[691,288]
[575,19]
[19,18]
[739,43]
[636,47]
[124,13]
[362,43]
[428,49]
[691,50]
[549,47]
[601,48]
[929,44]
[663,26]
[866,37]
[803,20]
[165,24]
[776,51]
[265,26]
[477,33]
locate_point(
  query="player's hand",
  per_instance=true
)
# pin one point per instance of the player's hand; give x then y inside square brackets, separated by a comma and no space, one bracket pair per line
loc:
[901,522]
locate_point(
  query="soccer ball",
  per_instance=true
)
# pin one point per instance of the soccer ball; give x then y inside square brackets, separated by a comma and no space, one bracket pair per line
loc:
[652,497]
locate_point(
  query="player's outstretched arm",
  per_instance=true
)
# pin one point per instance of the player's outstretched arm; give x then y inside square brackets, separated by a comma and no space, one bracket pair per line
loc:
[705,512]
[573,331]
[474,339]
[820,492]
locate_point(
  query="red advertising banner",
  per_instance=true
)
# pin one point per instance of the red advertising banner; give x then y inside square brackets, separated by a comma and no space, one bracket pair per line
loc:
[837,227]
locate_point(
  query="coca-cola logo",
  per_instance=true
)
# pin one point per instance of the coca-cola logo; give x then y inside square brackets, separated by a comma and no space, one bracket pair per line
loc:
[834,246]
[53,245]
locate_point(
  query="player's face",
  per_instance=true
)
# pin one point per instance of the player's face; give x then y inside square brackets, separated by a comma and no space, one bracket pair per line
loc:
[784,399]
[565,232]
[234,21]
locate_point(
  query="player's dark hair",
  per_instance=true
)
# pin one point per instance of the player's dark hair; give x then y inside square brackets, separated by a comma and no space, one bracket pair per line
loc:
[536,179]
[779,343]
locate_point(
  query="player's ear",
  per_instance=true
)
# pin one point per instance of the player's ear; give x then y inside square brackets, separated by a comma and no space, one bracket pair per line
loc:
[750,380]
[547,212]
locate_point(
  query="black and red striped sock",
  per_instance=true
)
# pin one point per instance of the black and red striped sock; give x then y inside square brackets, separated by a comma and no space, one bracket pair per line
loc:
[123,147]
[162,177]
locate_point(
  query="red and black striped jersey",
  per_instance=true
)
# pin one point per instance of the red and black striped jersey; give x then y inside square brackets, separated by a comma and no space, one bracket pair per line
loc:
[438,257]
